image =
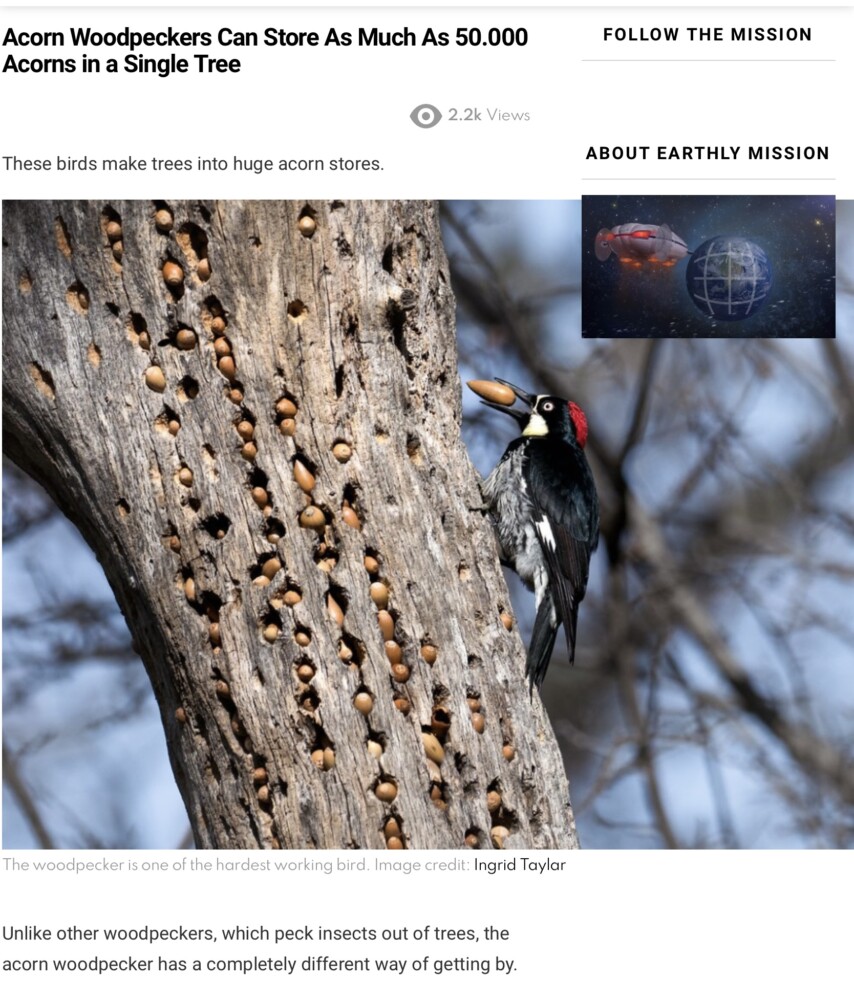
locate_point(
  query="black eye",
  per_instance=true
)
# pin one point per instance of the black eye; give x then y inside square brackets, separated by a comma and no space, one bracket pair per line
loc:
[548,407]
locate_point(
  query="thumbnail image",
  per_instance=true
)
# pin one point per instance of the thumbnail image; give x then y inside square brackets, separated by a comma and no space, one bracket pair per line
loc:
[700,266]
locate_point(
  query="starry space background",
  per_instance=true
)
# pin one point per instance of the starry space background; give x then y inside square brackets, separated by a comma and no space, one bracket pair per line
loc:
[798,233]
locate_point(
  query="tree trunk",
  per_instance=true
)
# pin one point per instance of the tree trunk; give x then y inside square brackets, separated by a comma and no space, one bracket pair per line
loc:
[324,639]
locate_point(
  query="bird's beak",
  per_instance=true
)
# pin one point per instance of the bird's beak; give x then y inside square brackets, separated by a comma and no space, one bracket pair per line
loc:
[519,416]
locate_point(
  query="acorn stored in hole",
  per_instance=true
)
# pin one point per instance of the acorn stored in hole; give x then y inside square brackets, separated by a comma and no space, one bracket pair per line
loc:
[433,748]
[203,270]
[400,672]
[307,225]
[402,704]
[259,776]
[227,366]
[173,427]
[478,721]
[218,325]
[185,476]
[214,634]
[391,828]
[312,517]
[393,651]
[185,339]
[394,844]
[114,230]
[350,517]
[375,749]
[429,653]
[386,623]
[342,451]
[363,702]
[379,595]
[288,427]
[292,598]
[305,672]
[173,274]
[249,451]
[508,752]
[190,589]
[371,565]
[235,396]
[155,379]
[334,609]
[163,219]
[493,801]
[286,407]
[507,621]
[245,429]
[305,480]
[222,347]
[493,392]
[386,791]
[180,715]
[303,639]
[271,567]
[271,632]
[317,758]
[259,495]
[499,834]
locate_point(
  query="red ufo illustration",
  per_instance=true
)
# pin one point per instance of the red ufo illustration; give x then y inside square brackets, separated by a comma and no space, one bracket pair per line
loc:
[638,243]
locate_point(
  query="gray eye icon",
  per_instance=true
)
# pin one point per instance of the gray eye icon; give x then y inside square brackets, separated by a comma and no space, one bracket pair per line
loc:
[426,116]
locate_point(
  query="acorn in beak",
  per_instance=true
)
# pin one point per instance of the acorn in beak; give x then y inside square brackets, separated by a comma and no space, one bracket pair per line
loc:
[500,395]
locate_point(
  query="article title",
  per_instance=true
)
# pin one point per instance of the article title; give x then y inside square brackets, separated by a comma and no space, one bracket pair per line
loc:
[101,46]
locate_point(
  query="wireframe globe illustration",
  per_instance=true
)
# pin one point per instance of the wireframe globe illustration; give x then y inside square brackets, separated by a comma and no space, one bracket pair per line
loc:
[729,278]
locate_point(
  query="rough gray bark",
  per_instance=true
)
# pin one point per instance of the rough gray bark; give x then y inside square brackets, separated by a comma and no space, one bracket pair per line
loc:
[155,415]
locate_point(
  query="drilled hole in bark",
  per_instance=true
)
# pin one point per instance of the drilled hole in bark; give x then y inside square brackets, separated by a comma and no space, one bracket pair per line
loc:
[163,216]
[193,241]
[413,449]
[339,380]
[297,310]
[112,307]
[356,648]
[474,838]
[77,297]
[217,525]
[63,240]
[274,530]
[122,508]
[388,259]
[188,388]
[43,380]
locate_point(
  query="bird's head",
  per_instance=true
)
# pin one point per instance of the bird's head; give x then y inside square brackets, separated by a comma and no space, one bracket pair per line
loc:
[546,415]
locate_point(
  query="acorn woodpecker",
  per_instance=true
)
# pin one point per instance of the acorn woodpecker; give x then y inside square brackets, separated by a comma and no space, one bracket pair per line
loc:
[543,502]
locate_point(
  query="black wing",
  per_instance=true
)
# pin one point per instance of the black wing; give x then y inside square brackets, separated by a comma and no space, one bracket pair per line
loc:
[567,524]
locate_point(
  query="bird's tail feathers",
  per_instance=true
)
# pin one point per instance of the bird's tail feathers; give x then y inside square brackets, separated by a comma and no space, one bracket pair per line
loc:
[542,644]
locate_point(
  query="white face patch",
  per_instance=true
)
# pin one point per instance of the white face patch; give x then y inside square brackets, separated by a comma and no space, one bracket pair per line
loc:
[536,427]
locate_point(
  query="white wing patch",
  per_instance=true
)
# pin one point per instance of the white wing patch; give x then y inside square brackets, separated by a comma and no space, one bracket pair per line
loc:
[545,533]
